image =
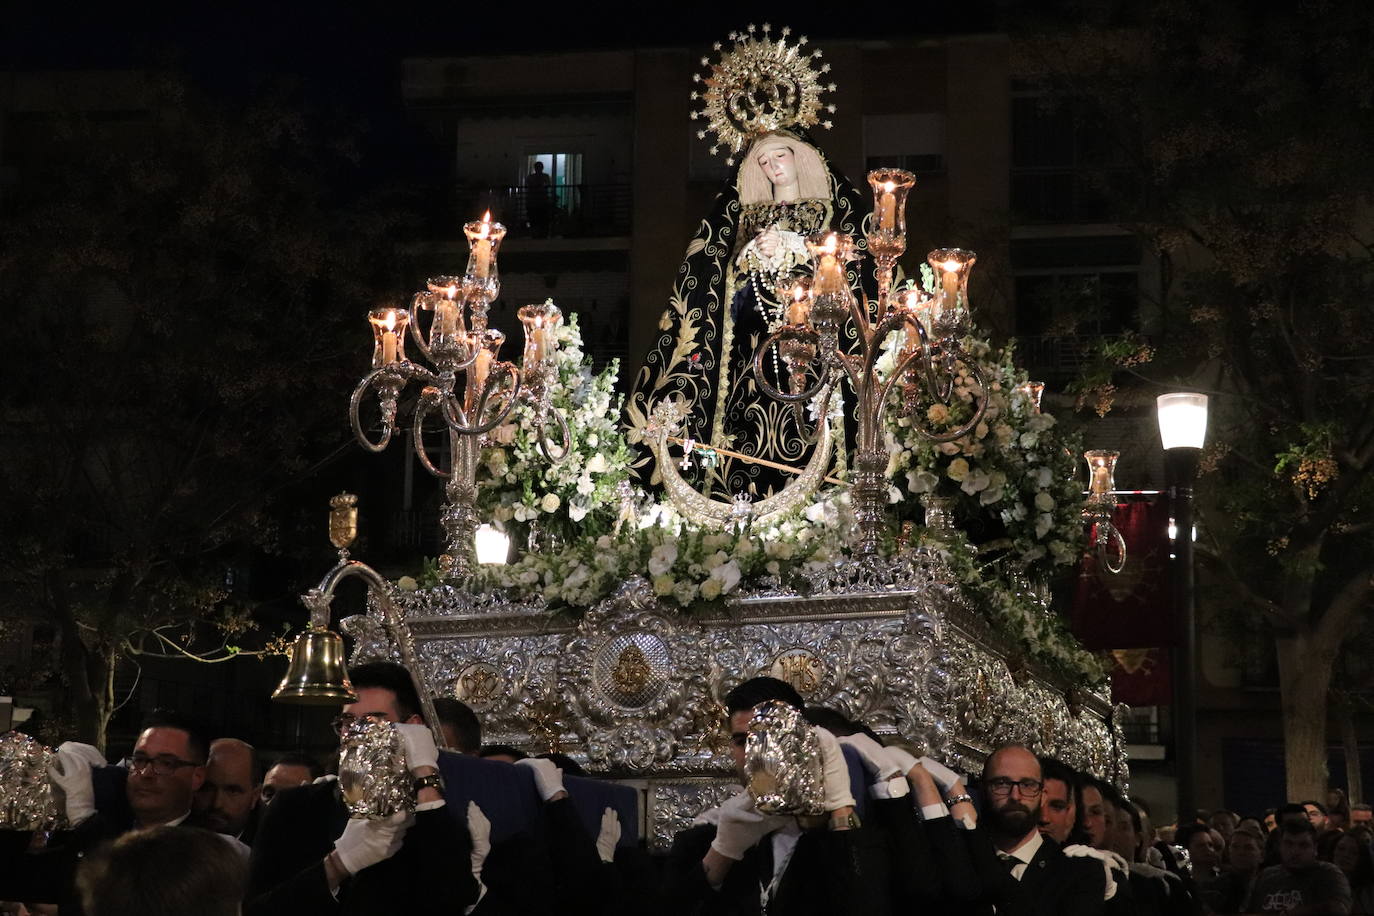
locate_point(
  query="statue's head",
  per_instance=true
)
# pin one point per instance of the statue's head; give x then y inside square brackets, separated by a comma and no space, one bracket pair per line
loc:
[776,160]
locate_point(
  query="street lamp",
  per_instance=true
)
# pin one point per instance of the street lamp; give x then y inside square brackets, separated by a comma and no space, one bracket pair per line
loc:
[1182,431]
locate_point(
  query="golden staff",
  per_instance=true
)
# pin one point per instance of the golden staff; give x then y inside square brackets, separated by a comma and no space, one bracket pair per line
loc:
[750,458]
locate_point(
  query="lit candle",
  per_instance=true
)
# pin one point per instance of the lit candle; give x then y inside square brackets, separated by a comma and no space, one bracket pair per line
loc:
[446,313]
[1102,481]
[951,283]
[481,368]
[481,250]
[389,339]
[829,278]
[539,341]
[887,207]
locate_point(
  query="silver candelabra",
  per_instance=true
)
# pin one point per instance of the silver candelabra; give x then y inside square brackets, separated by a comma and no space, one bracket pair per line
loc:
[469,389]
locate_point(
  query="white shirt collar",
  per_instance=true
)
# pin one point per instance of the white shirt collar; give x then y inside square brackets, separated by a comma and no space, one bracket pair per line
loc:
[1028,848]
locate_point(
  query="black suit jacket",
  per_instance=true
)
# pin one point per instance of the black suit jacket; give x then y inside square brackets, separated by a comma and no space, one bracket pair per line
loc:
[831,871]
[430,874]
[1053,884]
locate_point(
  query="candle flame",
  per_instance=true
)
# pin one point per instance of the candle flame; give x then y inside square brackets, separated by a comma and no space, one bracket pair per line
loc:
[452,291]
[390,320]
[951,266]
[889,186]
[831,243]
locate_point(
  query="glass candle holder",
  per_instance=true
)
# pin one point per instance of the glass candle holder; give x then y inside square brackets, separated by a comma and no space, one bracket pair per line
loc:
[540,321]
[831,297]
[484,240]
[388,335]
[1101,473]
[890,188]
[925,308]
[952,266]
[445,299]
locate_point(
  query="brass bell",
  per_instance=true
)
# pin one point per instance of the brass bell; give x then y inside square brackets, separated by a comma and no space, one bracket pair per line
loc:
[317,675]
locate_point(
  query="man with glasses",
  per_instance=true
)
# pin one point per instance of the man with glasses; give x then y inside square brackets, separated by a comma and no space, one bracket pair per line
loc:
[165,770]
[309,857]
[1022,871]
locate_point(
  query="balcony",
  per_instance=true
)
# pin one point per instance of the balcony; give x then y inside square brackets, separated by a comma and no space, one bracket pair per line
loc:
[1057,355]
[576,211]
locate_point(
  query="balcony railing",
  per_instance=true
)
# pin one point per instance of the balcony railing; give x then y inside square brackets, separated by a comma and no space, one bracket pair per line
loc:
[1062,354]
[573,210]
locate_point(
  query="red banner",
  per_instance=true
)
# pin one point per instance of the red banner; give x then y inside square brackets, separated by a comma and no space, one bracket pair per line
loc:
[1133,607]
[1141,677]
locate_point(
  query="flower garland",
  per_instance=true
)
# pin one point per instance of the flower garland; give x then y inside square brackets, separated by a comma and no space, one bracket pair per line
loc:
[579,496]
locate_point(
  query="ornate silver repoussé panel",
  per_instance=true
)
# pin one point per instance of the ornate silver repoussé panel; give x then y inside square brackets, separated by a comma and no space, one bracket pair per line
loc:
[634,687]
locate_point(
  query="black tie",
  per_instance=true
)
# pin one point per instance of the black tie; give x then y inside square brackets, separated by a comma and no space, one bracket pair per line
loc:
[1010,862]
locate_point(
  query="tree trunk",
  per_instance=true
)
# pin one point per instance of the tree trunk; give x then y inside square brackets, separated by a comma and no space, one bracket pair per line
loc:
[1304,680]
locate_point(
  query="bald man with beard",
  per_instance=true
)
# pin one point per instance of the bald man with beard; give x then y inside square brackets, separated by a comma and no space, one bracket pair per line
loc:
[1022,871]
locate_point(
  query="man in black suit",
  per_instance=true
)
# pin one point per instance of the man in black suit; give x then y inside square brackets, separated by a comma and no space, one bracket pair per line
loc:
[737,860]
[310,858]
[163,774]
[1021,871]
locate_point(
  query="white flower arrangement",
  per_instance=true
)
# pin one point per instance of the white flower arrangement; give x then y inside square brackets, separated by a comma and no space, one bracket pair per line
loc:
[577,496]
[1012,475]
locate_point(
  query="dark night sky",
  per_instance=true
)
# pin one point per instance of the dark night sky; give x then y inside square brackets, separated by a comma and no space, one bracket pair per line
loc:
[349,38]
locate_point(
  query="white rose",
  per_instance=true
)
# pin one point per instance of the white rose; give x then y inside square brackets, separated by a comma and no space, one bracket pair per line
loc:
[576,512]
[663,558]
[663,585]
[1044,501]
[407,584]
[585,485]
[958,470]
[597,463]
[727,574]
[550,502]
[711,588]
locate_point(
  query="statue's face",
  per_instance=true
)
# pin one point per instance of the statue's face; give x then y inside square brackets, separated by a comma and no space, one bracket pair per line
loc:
[779,165]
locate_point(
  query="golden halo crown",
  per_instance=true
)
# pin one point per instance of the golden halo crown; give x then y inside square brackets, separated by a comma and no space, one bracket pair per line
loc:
[760,86]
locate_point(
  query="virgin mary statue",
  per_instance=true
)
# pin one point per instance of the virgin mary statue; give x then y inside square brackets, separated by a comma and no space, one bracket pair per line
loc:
[724,304]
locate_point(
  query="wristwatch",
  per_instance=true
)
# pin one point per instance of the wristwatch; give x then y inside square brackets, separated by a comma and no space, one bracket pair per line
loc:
[956,799]
[429,781]
[848,822]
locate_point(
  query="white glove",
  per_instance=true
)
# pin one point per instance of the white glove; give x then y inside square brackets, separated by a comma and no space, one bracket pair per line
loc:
[837,794]
[328,777]
[73,776]
[1109,860]
[880,765]
[944,777]
[419,745]
[905,762]
[548,778]
[479,828]
[609,836]
[365,842]
[740,826]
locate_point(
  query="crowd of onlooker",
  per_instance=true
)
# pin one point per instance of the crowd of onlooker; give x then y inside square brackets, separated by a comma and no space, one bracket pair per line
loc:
[185,825]
[1230,854]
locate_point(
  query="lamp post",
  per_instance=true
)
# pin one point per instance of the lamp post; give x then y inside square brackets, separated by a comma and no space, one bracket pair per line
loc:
[1182,431]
